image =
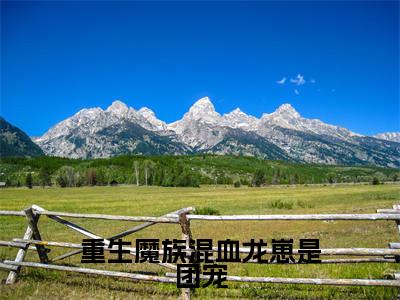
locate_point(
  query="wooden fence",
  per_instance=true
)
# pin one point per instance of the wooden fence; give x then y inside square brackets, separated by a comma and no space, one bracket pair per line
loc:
[32,241]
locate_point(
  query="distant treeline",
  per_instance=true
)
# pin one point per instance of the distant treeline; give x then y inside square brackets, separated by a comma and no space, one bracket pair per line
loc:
[180,171]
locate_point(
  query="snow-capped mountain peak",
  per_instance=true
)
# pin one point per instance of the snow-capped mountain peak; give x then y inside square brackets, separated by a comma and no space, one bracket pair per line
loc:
[284,116]
[150,116]
[146,112]
[287,117]
[286,110]
[118,107]
[194,129]
[238,119]
[202,107]
[204,102]
[236,111]
[203,110]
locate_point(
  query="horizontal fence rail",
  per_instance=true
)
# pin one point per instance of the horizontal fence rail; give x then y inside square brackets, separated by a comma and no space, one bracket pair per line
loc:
[137,277]
[111,217]
[322,217]
[32,241]
[12,213]
[313,281]
[386,215]
[171,277]
[20,243]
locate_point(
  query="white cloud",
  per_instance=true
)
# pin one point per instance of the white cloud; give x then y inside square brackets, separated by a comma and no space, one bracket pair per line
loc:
[313,81]
[282,81]
[296,91]
[299,80]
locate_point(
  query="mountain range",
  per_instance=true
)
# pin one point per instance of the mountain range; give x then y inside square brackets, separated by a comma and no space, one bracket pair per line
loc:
[283,134]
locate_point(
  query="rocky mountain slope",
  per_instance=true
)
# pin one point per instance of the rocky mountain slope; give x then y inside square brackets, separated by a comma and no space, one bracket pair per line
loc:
[389,136]
[96,133]
[283,134]
[14,142]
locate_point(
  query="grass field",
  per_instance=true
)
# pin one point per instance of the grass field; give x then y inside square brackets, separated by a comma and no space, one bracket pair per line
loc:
[155,201]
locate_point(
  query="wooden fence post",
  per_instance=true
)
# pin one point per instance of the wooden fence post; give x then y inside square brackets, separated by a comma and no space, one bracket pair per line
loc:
[12,276]
[397,257]
[187,236]
[32,222]
[32,231]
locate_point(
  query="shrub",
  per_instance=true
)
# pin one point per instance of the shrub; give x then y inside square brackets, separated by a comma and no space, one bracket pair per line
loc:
[236,184]
[66,177]
[207,211]
[375,181]
[278,204]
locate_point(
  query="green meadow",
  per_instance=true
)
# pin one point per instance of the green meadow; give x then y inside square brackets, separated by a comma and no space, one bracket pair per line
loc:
[156,201]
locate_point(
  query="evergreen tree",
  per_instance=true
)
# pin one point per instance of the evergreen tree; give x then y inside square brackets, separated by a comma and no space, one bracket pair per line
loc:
[44,176]
[258,178]
[29,180]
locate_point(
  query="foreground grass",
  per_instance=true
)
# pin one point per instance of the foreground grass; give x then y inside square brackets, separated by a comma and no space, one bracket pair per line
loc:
[155,201]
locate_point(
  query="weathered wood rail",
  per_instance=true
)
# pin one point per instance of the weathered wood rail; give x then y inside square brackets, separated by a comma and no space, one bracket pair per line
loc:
[32,240]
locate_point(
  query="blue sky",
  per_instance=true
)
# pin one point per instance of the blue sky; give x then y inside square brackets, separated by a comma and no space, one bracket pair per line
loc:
[59,57]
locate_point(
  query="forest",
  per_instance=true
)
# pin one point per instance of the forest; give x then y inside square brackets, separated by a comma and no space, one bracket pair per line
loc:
[193,171]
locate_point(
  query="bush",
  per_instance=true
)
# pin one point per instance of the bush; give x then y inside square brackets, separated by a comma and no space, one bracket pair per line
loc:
[278,204]
[375,181]
[207,211]
[236,184]
[66,177]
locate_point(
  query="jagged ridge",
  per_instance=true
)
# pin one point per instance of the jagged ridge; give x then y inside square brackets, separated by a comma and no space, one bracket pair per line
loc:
[283,134]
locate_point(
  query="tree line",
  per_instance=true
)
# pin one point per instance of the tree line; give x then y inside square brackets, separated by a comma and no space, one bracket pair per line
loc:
[170,171]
